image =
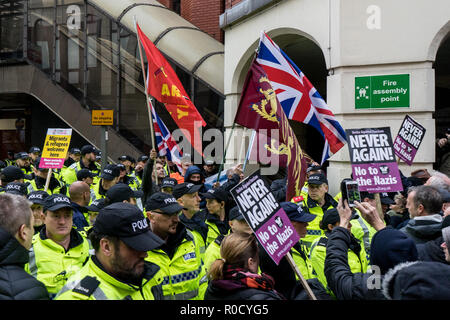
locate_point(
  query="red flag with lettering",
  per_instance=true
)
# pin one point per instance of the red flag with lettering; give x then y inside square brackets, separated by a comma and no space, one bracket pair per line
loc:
[164,85]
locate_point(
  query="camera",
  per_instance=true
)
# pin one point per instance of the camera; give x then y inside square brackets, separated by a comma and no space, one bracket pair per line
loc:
[350,192]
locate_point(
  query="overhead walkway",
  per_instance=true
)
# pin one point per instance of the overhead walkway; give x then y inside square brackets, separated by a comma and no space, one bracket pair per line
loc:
[83,55]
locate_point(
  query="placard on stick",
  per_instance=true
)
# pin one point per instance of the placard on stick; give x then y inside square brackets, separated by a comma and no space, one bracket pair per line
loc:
[55,148]
[265,216]
[373,160]
[408,140]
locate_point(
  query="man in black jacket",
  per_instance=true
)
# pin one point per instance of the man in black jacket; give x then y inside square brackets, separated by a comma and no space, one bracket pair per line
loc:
[389,247]
[16,232]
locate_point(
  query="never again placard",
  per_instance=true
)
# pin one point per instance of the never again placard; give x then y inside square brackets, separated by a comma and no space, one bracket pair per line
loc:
[408,139]
[265,216]
[373,160]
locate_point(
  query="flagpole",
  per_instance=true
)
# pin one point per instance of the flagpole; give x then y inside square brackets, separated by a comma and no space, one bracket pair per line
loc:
[147,98]
[249,150]
[225,152]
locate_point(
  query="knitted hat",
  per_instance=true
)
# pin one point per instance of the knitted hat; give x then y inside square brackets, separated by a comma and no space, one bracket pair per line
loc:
[390,247]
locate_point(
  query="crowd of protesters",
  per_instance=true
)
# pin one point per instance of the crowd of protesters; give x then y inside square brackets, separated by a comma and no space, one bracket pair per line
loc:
[148,229]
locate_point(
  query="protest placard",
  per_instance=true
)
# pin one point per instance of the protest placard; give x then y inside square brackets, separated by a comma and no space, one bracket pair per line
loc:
[373,160]
[55,149]
[265,216]
[408,139]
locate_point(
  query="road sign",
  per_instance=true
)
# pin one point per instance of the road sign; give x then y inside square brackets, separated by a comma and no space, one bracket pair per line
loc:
[102,117]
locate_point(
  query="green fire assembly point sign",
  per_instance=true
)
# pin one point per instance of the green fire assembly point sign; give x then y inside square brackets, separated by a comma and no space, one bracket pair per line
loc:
[386,91]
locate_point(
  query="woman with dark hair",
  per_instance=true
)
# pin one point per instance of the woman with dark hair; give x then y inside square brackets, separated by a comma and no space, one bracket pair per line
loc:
[235,276]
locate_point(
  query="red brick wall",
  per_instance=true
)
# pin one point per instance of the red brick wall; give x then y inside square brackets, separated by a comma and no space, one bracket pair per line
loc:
[231,3]
[204,14]
[166,3]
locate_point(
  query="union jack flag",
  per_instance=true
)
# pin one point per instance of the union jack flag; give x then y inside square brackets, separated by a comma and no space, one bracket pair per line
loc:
[166,144]
[298,97]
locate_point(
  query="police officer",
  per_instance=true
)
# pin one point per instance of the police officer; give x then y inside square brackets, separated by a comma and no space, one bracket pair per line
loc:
[23,162]
[12,174]
[37,199]
[58,250]
[73,155]
[168,184]
[179,258]
[237,223]
[121,192]
[216,219]
[192,217]
[17,188]
[128,179]
[317,202]
[87,161]
[34,153]
[109,177]
[117,271]
[94,208]
[128,162]
[40,178]
[357,260]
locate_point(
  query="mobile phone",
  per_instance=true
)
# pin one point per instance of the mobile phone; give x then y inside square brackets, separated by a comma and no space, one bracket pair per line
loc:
[350,192]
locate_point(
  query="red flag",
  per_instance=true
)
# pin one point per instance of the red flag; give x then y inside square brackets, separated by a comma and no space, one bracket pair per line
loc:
[259,109]
[164,85]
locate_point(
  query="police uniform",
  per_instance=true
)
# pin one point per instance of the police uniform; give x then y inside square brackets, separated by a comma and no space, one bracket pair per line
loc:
[182,268]
[357,259]
[51,264]
[215,226]
[93,282]
[70,175]
[313,207]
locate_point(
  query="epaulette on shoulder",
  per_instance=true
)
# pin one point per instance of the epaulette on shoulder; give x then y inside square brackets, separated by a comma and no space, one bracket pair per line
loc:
[219,239]
[323,241]
[87,286]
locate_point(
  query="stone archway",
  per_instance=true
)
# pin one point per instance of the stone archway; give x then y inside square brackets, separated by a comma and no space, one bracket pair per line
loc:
[305,52]
[441,65]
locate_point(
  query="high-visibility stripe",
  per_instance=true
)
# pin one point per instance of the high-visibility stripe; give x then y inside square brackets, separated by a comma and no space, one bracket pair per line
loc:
[182,296]
[32,263]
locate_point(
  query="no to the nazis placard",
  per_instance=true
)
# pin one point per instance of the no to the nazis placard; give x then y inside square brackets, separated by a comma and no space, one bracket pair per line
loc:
[408,139]
[55,148]
[373,160]
[265,216]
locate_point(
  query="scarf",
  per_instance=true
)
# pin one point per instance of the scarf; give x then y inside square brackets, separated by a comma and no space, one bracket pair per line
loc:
[248,279]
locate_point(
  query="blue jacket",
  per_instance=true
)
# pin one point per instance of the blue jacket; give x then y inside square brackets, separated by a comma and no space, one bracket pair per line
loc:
[79,220]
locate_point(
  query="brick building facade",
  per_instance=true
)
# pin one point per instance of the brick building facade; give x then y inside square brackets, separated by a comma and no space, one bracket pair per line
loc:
[202,13]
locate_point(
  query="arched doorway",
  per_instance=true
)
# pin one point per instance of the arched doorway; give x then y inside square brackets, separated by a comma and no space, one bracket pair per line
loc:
[442,98]
[304,51]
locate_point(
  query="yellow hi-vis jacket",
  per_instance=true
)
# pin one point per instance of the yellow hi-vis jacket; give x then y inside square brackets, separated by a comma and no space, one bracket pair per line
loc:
[92,282]
[357,260]
[51,264]
[183,274]
[313,229]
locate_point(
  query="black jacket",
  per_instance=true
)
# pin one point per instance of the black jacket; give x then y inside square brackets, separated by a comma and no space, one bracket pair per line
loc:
[421,231]
[345,284]
[418,281]
[431,251]
[214,292]
[15,283]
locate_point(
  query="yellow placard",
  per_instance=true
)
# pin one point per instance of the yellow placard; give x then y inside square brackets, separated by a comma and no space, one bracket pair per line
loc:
[102,117]
[55,148]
